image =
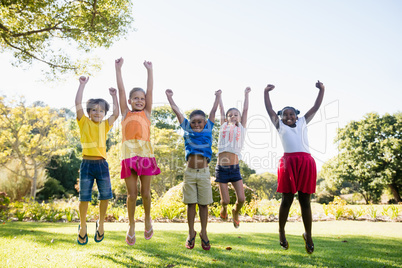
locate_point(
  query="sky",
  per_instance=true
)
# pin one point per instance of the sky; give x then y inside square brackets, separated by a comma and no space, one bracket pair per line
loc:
[198,47]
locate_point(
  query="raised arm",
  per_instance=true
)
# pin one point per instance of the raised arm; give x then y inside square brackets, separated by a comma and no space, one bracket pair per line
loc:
[115,114]
[222,110]
[122,93]
[78,98]
[268,105]
[150,87]
[311,113]
[245,107]
[211,115]
[175,108]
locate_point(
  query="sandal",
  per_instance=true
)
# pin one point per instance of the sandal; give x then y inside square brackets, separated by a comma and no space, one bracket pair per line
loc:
[190,243]
[236,224]
[98,234]
[205,244]
[284,244]
[131,238]
[309,248]
[82,238]
[224,217]
[146,233]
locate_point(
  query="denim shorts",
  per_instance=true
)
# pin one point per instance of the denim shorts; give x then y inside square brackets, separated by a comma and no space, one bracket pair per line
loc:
[91,170]
[226,174]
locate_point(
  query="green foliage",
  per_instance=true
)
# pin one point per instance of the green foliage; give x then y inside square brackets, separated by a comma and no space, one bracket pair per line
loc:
[4,206]
[30,136]
[37,31]
[51,189]
[337,208]
[264,184]
[65,169]
[355,213]
[18,186]
[370,155]
[163,117]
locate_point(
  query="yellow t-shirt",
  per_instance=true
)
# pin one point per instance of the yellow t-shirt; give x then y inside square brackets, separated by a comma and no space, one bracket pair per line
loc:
[93,136]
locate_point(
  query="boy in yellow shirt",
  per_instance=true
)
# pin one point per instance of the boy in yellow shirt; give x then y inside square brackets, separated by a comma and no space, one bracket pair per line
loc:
[93,133]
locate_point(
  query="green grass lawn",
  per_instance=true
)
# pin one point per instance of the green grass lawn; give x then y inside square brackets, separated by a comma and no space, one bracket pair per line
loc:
[337,244]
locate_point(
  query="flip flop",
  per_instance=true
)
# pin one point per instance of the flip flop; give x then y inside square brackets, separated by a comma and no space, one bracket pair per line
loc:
[82,238]
[131,238]
[309,248]
[224,217]
[236,224]
[149,231]
[191,243]
[206,243]
[97,233]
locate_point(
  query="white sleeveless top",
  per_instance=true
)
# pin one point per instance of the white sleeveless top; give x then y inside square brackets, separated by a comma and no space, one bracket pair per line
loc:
[294,139]
[231,139]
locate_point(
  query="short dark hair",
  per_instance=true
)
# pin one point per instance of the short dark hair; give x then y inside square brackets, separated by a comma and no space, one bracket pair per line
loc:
[134,90]
[91,103]
[227,112]
[288,107]
[197,112]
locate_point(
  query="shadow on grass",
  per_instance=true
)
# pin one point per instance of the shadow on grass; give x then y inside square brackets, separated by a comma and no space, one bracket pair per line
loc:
[240,249]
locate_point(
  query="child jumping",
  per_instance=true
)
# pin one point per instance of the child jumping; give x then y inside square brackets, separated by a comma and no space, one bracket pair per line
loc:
[93,133]
[196,182]
[297,170]
[137,152]
[231,140]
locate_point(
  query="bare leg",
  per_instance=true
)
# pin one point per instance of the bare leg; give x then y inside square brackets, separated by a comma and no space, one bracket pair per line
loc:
[132,192]
[240,198]
[83,208]
[203,211]
[190,219]
[102,214]
[146,199]
[305,205]
[225,199]
[287,200]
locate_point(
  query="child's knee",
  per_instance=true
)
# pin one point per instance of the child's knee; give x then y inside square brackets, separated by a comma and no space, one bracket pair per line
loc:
[241,200]
[131,197]
[225,202]
[145,195]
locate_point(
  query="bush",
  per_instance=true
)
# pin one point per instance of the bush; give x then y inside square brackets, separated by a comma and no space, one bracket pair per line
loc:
[4,206]
[324,197]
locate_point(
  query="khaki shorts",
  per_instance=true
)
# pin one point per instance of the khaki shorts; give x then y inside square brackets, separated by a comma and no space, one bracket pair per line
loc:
[197,186]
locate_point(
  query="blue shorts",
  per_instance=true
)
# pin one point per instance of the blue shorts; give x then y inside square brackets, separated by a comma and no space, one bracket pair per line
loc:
[91,170]
[225,174]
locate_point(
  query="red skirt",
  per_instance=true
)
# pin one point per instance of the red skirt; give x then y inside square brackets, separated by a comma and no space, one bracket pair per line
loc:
[297,172]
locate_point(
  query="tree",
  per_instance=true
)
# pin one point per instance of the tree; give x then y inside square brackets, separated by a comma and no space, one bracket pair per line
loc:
[370,154]
[163,117]
[31,136]
[42,30]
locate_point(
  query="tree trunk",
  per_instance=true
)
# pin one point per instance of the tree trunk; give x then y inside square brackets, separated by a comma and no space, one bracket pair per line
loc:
[395,192]
[34,179]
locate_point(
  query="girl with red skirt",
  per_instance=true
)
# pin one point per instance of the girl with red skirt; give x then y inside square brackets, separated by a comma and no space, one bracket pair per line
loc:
[297,171]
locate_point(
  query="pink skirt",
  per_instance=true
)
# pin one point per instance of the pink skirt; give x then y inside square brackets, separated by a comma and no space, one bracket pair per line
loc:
[141,165]
[297,172]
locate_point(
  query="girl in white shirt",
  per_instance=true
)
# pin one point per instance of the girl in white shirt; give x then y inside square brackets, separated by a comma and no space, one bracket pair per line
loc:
[297,171]
[231,140]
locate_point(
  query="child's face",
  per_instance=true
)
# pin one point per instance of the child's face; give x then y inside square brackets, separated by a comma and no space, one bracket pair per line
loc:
[197,123]
[137,101]
[97,113]
[233,117]
[289,117]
